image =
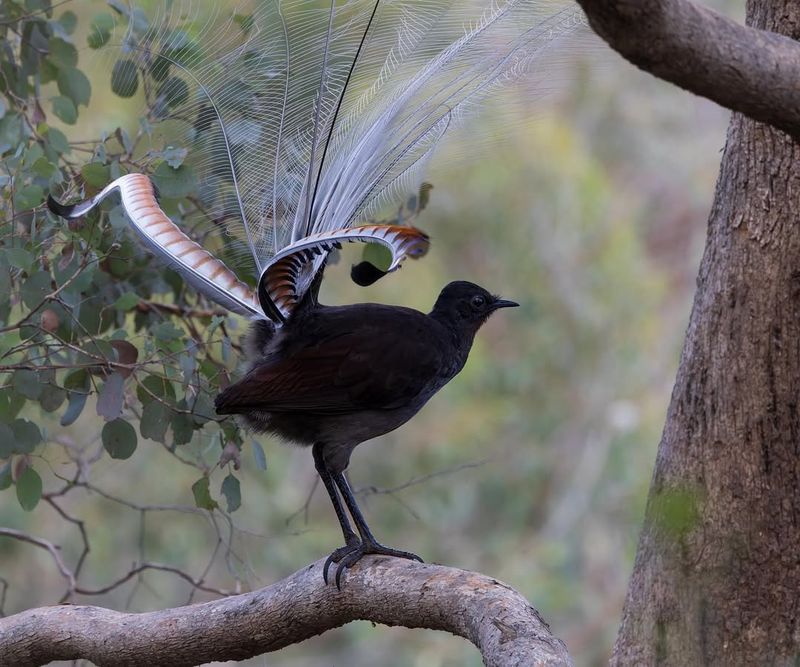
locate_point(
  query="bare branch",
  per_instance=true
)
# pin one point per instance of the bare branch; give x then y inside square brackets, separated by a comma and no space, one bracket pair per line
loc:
[44,544]
[196,583]
[744,69]
[391,591]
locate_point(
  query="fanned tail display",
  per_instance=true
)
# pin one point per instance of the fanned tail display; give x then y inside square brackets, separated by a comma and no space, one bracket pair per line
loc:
[298,122]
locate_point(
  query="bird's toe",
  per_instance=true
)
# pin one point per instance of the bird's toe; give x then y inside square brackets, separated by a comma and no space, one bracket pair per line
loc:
[348,556]
[337,556]
[380,550]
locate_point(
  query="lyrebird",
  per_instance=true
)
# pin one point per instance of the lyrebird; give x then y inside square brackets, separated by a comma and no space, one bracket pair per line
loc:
[299,124]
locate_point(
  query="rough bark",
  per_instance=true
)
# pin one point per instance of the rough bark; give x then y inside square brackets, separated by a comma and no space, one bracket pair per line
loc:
[717,573]
[498,620]
[740,67]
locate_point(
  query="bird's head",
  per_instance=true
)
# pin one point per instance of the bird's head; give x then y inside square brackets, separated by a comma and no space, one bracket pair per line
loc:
[467,306]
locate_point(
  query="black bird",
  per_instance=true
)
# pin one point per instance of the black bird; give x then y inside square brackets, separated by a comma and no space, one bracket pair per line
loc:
[335,376]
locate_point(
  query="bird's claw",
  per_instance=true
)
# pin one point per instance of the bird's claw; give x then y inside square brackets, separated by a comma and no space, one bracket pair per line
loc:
[350,554]
[337,556]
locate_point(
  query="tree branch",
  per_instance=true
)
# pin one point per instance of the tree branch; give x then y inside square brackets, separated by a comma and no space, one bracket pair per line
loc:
[744,69]
[391,591]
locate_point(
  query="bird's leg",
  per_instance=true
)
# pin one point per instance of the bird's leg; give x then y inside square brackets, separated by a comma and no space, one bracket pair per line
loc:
[350,538]
[368,544]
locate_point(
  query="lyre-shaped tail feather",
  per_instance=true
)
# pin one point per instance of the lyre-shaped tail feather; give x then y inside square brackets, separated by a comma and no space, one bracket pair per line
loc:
[285,279]
[199,267]
[289,274]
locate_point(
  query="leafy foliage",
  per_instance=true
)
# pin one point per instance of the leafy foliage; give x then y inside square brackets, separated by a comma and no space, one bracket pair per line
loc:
[87,320]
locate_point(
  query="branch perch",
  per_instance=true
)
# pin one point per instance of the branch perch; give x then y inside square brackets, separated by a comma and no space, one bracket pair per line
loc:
[498,620]
[739,67]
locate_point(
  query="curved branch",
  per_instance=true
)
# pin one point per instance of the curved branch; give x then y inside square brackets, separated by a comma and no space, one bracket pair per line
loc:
[744,69]
[493,616]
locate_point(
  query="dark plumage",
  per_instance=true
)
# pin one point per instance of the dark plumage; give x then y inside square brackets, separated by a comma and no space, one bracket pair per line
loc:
[336,376]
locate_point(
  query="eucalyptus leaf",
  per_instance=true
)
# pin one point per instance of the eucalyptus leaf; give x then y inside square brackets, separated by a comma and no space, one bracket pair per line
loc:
[124,78]
[154,421]
[36,288]
[95,174]
[5,476]
[64,108]
[28,197]
[62,53]
[110,398]
[174,183]
[29,489]
[75,405]
[27,383]
[6,441]
[202,494]
[26,436]
[119,439]
[231,489]
[72,83]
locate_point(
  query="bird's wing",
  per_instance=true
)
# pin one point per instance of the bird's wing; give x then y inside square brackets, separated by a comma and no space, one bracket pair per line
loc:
[354,371]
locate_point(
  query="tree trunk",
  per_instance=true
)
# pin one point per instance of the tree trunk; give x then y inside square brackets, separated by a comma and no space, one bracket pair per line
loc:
[717,573]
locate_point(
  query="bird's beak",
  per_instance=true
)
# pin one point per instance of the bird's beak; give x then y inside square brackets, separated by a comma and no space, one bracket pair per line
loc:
[504,303]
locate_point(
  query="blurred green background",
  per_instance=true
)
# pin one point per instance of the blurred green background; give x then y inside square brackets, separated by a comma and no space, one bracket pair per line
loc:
[534,464]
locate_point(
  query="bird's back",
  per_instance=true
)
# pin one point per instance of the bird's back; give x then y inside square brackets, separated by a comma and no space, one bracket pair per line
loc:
[347,359]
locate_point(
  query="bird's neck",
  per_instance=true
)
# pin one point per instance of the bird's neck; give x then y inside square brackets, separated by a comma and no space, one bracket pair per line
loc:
[460,333]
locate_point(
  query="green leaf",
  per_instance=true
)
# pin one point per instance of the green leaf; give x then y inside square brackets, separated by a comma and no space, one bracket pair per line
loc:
[232,492]
[174,91]
[29,489]
[77,383]
[10,404]
[6,441]
[182,426]
[167,331]
[124,78]
[202,494]
[5,476]
[75,405]
[127,301]
[26,382]
[109,400]
[174,183]
[174,157]
[100,30]
[64,108]
[159,69]
[155,420]
[119,439]
[68,21]
[63,54]
[158,387]
[259,456]
[95,174]
[52,397]
[28,197]
[18,258]
[26,436]
[73,84]
[36,288]
[57,140]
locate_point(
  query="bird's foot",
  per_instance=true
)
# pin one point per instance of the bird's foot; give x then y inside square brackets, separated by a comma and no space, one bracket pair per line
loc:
[339,554]
[350,554]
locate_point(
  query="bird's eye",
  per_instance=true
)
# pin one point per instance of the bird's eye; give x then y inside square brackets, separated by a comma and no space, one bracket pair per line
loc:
[478,301]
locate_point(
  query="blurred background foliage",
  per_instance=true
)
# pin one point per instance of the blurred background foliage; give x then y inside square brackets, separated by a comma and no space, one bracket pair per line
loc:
[532,466]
